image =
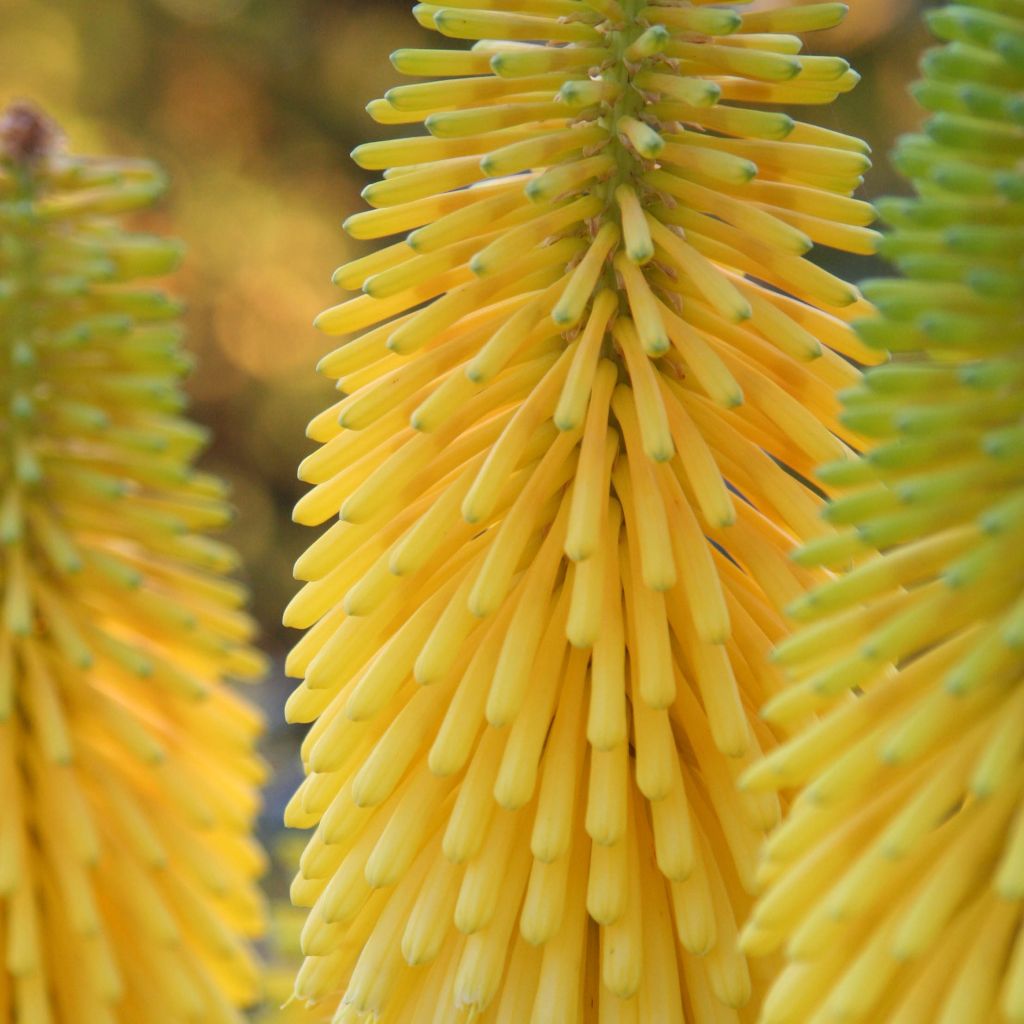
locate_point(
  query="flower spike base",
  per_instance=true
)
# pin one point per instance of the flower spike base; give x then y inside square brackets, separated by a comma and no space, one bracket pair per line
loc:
[897,883]
[127,778]
[538,631]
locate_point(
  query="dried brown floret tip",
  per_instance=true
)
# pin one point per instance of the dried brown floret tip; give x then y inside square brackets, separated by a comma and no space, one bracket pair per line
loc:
[27,135]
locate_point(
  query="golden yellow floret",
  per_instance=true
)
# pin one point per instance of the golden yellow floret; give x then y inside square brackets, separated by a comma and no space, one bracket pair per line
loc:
[582,391]
[127,773]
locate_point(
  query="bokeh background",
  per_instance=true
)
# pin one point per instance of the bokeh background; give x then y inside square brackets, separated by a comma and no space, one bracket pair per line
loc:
[253,106]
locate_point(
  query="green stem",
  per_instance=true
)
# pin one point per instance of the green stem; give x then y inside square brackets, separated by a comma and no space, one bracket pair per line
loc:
[18,465]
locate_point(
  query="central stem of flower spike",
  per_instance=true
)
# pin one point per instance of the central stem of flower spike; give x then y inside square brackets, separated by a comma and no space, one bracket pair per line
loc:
[23,140]
[634,144]
[538,629]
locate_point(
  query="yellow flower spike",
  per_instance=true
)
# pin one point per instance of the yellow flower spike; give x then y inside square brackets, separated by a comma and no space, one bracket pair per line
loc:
[585,385]
[127,769]
[904,850]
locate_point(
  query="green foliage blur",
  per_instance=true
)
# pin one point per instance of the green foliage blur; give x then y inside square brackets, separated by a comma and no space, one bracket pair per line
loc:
[253,106]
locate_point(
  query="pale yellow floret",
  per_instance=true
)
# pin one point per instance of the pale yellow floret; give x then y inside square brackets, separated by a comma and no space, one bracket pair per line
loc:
[510,680]
[644,307]
[576,393]
[656,562]
[499,253]
[701,359]
[606,724]
[641,136]
[716,288]
[494,579]
[636,234]
[650,636]
[563,178]
[518,774]
[649,408]
[592,479]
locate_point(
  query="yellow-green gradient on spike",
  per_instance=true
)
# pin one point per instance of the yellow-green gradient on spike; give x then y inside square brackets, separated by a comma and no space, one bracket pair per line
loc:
[127,774]
[589,371]
[895,887]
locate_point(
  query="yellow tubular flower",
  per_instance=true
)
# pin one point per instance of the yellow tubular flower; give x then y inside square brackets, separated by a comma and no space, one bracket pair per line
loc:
[897,882]
[127,776]
[538,631]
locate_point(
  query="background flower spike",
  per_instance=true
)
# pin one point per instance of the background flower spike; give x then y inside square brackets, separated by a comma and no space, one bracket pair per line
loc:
[898,879]
[127,772]
[585,383]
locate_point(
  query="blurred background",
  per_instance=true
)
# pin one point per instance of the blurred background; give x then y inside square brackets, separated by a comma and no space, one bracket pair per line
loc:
[253,106]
